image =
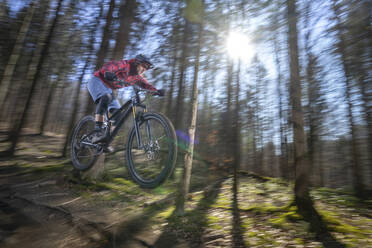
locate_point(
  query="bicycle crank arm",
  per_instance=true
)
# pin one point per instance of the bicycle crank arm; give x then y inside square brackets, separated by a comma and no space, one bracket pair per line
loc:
[90,144]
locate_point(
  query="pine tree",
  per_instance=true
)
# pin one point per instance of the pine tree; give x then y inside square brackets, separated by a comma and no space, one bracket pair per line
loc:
[342,50]
[16,52]
[185,183]
[127,14]
[33,77]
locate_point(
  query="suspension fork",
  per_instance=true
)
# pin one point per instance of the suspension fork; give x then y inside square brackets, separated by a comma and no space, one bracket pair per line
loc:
[136,127]
[137,119]
[148,129]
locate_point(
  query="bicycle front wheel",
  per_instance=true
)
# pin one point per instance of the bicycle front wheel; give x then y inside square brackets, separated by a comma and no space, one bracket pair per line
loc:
[151,163]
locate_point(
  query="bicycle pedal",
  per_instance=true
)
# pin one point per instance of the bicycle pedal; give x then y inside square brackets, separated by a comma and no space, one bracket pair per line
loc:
[108,149]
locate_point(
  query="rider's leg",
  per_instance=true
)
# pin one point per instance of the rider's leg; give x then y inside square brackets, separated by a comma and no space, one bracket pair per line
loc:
[102,96]
[113,106]
[101,109]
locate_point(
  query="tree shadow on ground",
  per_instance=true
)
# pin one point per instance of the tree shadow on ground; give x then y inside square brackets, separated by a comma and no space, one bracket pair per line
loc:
[307,210]
[237,228]
[125,232]
[192,224]
[12,219]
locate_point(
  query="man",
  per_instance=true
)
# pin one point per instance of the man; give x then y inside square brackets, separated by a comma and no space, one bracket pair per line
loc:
[109,78]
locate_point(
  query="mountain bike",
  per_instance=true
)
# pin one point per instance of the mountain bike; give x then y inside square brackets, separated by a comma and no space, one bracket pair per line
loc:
[151,149]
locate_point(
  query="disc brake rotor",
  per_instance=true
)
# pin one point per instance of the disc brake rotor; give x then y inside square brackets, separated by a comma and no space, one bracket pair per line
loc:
[152,150]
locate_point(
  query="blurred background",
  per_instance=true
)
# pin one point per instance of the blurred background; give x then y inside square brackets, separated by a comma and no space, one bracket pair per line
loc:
[238,53]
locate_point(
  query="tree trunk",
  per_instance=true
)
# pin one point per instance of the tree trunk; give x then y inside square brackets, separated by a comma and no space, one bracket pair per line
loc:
[316,104]
[33,75]
[102,52]
[302,197]
[169,107]
[44,87]
[174,59]
[299,140]
[51,92]
[256,130]
[357,176]
[236,130]
[361,32]
[3,10]
[16,52]
[74,111]
[185,183]
[76,97]
[60,64]
[283,151]
[226,132]
[127,14]
[181,81]
[58,110]
[312,139]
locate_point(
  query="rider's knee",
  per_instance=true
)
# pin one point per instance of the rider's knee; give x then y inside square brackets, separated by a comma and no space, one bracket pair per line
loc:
[106,99]
[103,103]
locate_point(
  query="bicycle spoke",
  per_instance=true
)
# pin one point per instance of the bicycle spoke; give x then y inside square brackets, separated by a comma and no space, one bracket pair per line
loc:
[161,138]
[83,155]
[153,163]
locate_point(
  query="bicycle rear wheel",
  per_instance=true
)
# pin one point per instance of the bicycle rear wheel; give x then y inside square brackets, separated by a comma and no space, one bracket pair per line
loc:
[152,163]
[83,153]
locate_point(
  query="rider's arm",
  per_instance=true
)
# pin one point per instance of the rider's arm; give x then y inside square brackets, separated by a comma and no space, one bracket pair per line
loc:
[141,82]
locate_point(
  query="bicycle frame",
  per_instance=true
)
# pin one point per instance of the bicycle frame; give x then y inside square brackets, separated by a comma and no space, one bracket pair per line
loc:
[124,112]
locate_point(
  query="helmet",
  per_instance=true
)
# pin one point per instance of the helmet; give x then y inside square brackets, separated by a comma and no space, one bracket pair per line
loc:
[142,59]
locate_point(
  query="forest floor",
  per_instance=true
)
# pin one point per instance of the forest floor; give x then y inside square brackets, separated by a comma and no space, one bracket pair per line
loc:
[42,204]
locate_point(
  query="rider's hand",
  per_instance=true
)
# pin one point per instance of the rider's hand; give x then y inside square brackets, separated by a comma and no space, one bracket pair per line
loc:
[160,92]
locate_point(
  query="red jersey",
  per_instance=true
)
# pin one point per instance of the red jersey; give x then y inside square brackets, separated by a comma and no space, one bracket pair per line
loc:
[121,68]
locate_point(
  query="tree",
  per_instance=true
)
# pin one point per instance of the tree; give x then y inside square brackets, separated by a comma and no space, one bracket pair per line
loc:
[302,170]
[127,13]
[316,106]
[174,62]
[33,76]
[279,85]
[181,80]
[359,32]
[16,52]
[55,92]
[102,51]
[6,34]
[76,97]
[256,97]
[185,182]
[342,50]
[302,197]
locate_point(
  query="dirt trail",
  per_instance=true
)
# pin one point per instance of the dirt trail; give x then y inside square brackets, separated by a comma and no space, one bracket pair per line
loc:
[44,213]
[40,207]
[33,212]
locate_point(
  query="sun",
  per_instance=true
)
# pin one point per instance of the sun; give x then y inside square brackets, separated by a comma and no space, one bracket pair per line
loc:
[238,46]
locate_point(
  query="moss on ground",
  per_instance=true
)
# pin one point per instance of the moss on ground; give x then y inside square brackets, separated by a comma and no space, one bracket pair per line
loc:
[334,224]
[163,215]
[266,213]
